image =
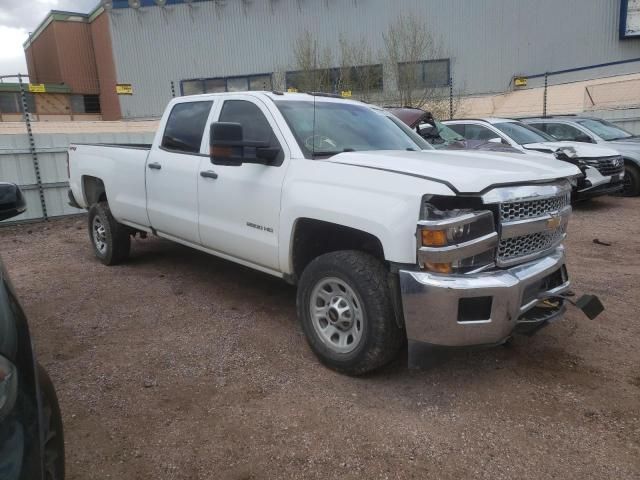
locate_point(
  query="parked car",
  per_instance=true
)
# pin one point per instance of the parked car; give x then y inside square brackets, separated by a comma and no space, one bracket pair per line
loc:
[385,237]
[603,168]
[31,435]
[599,132]
[439,135]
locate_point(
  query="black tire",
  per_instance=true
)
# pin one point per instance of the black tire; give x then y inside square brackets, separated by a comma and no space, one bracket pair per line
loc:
[380,338]
[53,432]
[116,237]
[631,180]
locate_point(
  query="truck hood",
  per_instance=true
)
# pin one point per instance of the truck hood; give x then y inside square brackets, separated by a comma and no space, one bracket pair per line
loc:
[463,171]
[629,147]
[583,150]
[629,142]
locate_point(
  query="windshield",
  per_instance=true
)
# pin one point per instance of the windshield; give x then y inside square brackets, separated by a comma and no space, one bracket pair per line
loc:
[448,134]
[439,135]
[345,127]
[605,130]
[523,134]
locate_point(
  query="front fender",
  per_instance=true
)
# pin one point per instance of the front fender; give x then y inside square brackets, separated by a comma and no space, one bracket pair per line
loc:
[385,205]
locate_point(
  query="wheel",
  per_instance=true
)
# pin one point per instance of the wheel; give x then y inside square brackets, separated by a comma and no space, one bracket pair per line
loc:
[631,181]
[111,241]
[53,433]
[345,307]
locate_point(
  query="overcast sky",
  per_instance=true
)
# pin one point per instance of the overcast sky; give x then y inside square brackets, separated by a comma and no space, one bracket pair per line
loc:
[18,18]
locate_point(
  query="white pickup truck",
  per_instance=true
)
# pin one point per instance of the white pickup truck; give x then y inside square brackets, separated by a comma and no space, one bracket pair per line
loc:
[386,238]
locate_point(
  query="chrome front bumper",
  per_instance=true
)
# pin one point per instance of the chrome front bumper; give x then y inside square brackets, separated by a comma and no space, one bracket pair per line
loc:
[483,308]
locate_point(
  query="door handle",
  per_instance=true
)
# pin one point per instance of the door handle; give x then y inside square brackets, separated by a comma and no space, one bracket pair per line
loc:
[209,174]
[154,166]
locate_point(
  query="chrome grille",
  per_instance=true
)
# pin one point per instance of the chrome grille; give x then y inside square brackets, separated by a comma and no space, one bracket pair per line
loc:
[607,166]
[532,220]
[513,248]
[532,208]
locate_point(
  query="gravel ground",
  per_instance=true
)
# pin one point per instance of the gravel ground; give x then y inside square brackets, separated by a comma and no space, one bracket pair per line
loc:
[181,365]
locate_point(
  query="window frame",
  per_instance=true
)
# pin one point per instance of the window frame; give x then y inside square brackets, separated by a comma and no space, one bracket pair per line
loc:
[226,79]
[335,74]
[423,64]
[204,132]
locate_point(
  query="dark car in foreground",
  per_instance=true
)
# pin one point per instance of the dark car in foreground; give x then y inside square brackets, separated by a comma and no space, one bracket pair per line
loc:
[31,436]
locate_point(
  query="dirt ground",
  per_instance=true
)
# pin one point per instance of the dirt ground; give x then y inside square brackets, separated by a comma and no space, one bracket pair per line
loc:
[180,365]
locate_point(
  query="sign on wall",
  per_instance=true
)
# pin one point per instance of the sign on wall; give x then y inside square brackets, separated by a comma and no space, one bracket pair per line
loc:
[520,81]
[37,88]
[124,89]
[629,18]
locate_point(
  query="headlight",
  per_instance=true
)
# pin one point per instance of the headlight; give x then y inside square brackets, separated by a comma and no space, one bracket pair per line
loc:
[455,241]
[8,386]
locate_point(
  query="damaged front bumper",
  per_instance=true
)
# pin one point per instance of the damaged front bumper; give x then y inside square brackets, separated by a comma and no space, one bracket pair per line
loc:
[483,308]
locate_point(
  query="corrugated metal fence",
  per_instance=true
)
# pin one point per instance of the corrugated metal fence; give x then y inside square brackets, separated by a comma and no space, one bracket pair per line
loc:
[17,166]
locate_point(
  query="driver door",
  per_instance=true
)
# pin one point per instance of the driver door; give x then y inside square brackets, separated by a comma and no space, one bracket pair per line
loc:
[239,207]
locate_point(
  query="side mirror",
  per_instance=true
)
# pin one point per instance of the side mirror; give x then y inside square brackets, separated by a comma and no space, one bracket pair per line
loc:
[584,139]
[495,140]
[12,202]
[228,147]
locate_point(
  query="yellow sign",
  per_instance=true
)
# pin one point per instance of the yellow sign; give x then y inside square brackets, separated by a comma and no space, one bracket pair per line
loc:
[37,88]
[292,90]
[520,81]
[124,89]
[345,93]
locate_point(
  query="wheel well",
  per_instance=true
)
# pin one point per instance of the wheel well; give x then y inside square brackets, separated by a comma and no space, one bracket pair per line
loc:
[313,238]
[632,163]
[93,190]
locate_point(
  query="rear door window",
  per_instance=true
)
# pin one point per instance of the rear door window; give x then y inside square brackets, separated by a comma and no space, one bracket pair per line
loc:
[477,132]
[560,131]
[185,127]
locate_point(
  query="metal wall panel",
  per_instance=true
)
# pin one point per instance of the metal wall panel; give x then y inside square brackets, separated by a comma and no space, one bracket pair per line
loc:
[488,41]
[16,166]
[629,119]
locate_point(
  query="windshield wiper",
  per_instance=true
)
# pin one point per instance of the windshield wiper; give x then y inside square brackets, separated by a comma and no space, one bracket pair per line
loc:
[320,153]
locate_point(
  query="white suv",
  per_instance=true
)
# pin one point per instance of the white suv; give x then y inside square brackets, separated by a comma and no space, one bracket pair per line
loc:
[602,167]
[600,132]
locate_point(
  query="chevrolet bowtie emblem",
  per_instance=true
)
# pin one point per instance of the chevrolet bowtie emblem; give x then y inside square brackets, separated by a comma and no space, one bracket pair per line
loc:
[553,223]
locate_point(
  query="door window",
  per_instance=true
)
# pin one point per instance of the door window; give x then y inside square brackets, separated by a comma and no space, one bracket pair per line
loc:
[255,126]
[478,132]
[562,131]
[185,126]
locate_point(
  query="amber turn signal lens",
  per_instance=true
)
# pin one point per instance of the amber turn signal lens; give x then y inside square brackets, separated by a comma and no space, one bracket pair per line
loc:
[434,238]
[438,267]
[221,151]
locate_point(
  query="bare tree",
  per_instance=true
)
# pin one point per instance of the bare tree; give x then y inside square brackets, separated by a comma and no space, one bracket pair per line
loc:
[407,44]
[313,64]
[360,72]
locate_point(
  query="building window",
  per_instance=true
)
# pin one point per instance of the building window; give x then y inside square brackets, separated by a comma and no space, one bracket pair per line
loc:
[10,102]
[227,84]
[237,84]
[260,82]
[363,78]
[425,74]
[215,85]
[85,104]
